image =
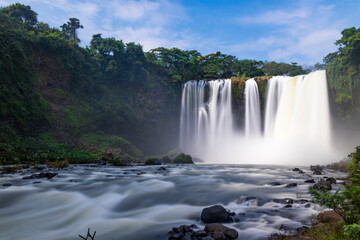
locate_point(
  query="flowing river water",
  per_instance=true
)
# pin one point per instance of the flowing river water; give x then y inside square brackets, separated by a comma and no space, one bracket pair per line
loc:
[145,202]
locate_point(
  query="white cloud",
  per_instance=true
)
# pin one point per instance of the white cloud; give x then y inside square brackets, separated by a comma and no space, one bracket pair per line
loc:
[132,10]
[305,34]
[3,3]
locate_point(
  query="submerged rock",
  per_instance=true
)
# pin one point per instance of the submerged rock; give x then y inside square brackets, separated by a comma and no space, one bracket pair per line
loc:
[291,185]
[296,169]
[274,183]
[310,181]
[7,184]
[216,214]
[47,175]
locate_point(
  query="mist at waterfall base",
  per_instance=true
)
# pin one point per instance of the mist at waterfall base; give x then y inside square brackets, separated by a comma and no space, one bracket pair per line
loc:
[294,129]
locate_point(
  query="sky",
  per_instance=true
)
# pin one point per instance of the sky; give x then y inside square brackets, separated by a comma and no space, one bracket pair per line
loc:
[302,31]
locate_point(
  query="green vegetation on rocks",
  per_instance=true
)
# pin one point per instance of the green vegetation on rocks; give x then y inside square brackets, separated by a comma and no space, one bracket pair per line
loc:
[183,159]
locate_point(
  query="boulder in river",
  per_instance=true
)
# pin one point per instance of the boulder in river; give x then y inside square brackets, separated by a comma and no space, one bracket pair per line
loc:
[322,184]
[183,159]
[229,233]
[329,217]
[316,168]
[317,172]
[216,214]
[310,181]
[291,185]
[331,180]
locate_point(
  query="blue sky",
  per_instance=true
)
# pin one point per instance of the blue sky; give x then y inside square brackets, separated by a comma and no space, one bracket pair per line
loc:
[300,31]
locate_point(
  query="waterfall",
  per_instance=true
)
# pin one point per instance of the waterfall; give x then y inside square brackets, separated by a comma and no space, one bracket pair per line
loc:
[205,121]
[296,122]
[252,109]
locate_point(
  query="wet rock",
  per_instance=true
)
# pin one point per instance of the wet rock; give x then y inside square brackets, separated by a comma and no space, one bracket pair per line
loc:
[288,206]
[7,184]
[288,201]
[193,226]
[47,175]
[218,227]
[178,236]
[274,183]
[161,169]
[296,169]
[301,201]
[207,238]
[322,185]
[153,161]
[236,218]
[301,172]
[200,233]
[276,236]
[249,198]
[316,168]
[291,185]
[10,170]
[219,236]
[183,159]
[329,217]
[215,214]
[317,172]
[36,182]
[287,227]
[307,205]
[310,181]
[331,180]
[181,229]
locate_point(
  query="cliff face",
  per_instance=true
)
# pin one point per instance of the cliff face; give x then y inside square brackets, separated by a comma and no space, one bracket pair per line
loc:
[147,117]
[238,97]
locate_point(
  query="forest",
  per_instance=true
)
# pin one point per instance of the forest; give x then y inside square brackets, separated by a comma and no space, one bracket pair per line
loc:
[84,103]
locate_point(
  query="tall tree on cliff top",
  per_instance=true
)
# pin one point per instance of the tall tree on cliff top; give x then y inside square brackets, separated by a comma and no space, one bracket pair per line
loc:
[70,29]
[21,12]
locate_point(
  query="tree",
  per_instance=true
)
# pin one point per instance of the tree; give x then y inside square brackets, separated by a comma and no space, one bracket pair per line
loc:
[70,29]
[21,12]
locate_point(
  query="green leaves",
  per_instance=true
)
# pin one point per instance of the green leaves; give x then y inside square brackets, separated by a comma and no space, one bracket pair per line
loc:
[345,201]
[21,12]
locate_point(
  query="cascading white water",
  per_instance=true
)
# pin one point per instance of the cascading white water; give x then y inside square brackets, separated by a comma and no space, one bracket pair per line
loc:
[205,122]
[252,109]
[274,91]
[297,126]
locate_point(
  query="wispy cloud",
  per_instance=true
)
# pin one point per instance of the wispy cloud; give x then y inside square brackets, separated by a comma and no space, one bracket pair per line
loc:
[305,33]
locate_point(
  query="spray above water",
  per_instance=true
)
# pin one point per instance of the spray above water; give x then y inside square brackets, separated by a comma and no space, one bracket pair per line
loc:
[294,129]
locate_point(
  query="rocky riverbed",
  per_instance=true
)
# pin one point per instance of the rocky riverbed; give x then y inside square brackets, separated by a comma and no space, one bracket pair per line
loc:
[158,202]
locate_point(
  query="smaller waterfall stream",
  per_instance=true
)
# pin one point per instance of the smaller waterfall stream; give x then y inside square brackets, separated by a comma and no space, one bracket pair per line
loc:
[252,109]
[204,122]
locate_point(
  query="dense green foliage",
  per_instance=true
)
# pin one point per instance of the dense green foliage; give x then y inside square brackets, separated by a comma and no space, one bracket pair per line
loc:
[343,70]
[189,65]
[345,201]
